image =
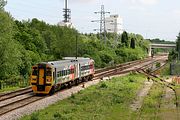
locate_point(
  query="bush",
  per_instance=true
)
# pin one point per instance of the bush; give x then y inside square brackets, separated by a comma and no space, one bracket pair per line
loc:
[34,116]
[57,115]
[158,65]
[103,85]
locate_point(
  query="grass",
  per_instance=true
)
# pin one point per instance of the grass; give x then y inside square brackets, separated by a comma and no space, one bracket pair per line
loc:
[8,89]
[152,103]
[166,70]
[108,100]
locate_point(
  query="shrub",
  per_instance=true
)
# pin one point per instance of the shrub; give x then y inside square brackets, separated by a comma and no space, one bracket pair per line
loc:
[57,115]
[34,116]
[103,85]
[72,96]
[158,65]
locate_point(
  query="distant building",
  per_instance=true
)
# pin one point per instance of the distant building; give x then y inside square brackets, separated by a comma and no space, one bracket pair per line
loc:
[67,24]
[114,24]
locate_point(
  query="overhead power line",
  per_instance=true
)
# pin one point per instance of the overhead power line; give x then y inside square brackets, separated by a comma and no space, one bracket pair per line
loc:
[102,21]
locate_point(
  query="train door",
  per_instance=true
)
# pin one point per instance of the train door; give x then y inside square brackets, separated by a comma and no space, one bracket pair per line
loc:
[76,71]
[79,71]
[42,76]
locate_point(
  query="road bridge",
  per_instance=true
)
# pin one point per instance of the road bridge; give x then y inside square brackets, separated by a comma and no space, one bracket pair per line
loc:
[153,45]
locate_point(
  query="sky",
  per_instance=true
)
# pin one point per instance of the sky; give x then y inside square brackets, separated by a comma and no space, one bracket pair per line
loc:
[150,18]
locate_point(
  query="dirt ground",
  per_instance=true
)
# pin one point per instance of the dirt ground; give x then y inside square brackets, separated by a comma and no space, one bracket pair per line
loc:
[137,103]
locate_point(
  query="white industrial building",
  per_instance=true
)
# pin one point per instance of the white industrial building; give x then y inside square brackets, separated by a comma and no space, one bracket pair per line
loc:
[114,24]
[67,24]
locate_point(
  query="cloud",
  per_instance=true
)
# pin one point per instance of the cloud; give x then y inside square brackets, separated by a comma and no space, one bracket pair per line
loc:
[145,2]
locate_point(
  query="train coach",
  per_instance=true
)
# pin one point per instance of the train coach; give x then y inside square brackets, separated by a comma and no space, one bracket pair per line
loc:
[47,77]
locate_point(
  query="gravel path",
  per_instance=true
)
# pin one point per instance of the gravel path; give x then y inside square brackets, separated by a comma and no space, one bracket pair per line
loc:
[137,103]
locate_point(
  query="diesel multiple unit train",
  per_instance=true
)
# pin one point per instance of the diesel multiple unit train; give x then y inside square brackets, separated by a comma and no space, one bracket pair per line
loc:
[47,77]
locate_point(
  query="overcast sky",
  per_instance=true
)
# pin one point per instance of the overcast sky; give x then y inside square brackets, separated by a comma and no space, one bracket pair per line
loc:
[151,18]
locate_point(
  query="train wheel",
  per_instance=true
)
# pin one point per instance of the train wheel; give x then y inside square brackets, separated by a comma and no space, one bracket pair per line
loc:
[69,84]
[90,78]
[76,82]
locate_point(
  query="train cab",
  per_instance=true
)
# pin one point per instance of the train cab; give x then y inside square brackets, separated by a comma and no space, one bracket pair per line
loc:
[41,78]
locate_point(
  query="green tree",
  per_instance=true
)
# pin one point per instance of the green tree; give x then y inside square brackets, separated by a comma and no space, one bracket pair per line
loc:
[124,39]
[9,48]
[133,44]
[178,45]
[172,55]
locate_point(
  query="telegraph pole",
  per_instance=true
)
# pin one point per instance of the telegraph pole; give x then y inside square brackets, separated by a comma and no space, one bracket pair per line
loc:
[102,22]
[76,46]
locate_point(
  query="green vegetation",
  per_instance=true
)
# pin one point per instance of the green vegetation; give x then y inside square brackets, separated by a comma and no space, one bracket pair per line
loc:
[158,64]
[108,100]
[151,105]
[158,41]
[165,71]
[25,43]
[9,89]
[178,46]
[173,55]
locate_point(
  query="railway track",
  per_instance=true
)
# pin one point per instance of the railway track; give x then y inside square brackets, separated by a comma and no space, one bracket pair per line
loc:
[17,101]
[127,68]
[18,104]
[9,95]
[164,84]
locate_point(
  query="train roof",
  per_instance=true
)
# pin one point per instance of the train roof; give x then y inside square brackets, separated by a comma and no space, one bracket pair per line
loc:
[67,61]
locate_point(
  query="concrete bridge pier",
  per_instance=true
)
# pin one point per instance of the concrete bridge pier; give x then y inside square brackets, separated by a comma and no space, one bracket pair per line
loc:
[149,51]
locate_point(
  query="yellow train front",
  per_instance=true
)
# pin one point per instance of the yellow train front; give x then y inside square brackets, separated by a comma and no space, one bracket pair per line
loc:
[47,77]
[42,78]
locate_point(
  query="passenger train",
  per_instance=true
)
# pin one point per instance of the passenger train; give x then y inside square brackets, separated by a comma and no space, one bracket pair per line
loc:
[47,77]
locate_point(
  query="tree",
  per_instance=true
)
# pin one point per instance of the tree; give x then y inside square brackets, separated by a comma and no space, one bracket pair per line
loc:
[124,38]
[133,44]
[9,48]
[2,4]
[178,45]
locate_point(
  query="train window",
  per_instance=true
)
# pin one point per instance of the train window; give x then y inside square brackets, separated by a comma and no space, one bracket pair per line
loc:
[35,72]
[68,72]
[48,73]
[60,73]
[53,74]
[48,69]
[63,72]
